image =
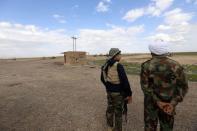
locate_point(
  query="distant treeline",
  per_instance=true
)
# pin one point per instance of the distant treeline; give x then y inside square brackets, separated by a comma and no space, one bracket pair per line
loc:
[185,53]
[133,54]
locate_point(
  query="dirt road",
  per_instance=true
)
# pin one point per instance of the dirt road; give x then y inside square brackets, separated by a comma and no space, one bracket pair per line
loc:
[44,95]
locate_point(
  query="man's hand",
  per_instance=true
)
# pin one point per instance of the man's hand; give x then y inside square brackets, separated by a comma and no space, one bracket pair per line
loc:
[169,109]
[129,99]
[166,107]
[162,105]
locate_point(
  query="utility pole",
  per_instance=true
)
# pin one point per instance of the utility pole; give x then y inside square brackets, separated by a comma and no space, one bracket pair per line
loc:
[74,43]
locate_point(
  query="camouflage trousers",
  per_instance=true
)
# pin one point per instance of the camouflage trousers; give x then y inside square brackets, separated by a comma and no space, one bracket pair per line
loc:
[114,110]
[153,114]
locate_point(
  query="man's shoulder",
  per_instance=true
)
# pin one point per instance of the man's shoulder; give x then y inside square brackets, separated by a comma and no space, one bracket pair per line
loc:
[146,63]
[172,61]
[119,65]
[173,64]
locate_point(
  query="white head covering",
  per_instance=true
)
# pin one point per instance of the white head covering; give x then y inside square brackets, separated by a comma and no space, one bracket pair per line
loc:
[159,47]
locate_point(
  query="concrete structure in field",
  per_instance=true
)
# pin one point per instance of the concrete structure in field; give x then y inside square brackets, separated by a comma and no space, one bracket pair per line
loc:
[75,57]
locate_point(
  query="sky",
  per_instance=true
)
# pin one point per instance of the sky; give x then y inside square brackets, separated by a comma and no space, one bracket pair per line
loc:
[36,28]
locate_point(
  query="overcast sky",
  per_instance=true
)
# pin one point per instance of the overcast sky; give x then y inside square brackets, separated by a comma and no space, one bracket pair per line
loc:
[31,28]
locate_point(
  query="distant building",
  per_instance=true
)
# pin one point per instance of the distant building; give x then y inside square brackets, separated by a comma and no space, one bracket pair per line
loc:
[75,57]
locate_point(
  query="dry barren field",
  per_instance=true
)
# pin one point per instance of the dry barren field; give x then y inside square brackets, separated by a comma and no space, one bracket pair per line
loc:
[45,95]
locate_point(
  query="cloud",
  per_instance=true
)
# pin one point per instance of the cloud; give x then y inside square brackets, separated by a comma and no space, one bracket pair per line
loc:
[176,26]
[163,27]
[107,1]
[134,14]
[179,43]
[191,37]
[32,33]
[59,18]
[177,16]
[189,42]
[155,8]
[177,30]
[158,6]
[5,24]
[103,6]
[17,40]
[99,41]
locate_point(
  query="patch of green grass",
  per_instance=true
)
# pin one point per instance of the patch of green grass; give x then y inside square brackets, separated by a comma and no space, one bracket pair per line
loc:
[192,77]
[135,68]
[99,62]
[132,68]
[191,71]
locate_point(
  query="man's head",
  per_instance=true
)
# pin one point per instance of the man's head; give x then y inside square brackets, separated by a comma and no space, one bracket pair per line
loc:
[159,48]
[115,54]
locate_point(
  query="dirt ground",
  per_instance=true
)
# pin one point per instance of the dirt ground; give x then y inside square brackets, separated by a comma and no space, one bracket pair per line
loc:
[45,95]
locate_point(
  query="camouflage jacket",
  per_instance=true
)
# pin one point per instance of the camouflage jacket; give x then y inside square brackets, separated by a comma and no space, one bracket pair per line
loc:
[163,79]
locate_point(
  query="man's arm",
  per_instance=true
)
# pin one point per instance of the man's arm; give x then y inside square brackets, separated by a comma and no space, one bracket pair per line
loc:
[102,76]
[124,80]
[146,83]
[181,86]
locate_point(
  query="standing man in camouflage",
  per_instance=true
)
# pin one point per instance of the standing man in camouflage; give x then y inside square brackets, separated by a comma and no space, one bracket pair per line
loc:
[164,85]
[118,89]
